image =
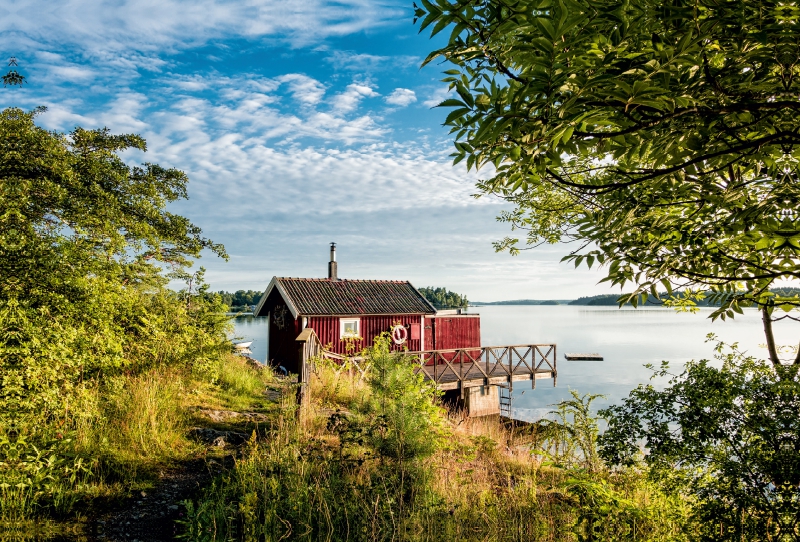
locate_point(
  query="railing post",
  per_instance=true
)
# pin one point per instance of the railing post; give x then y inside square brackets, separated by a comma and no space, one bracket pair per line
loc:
[555,372]
[306,349]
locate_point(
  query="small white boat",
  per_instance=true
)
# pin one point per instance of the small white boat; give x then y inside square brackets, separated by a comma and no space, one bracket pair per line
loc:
[242,346]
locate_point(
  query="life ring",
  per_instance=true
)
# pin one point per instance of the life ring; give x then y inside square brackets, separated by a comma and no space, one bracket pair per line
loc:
[399,334]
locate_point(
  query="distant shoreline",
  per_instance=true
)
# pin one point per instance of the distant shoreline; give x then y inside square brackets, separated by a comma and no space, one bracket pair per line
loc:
[522,302]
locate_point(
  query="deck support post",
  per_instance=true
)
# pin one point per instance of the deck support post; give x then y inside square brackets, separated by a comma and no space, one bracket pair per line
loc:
[555,372]
[308,347]
[482,400]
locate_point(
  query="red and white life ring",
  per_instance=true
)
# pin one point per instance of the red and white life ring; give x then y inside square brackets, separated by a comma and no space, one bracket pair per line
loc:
[399,334]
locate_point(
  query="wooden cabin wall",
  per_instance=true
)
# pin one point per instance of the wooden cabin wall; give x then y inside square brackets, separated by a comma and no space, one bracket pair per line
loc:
[327,329]
[452,331]
[283,332]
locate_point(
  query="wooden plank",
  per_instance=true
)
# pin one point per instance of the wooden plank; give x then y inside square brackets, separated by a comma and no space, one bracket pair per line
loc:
[455,384]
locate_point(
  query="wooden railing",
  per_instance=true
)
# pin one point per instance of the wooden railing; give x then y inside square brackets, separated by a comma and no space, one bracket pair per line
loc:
[488,365]
[450,369]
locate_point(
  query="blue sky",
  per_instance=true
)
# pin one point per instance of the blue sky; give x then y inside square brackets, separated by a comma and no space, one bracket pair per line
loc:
[298,122]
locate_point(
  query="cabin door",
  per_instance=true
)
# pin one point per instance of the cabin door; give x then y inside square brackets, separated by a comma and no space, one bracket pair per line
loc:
[443,333]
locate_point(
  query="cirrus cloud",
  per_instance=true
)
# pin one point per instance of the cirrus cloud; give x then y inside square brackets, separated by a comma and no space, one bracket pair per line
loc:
[102,26]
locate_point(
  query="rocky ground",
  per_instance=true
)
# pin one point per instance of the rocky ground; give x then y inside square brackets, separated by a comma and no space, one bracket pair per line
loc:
[153,515]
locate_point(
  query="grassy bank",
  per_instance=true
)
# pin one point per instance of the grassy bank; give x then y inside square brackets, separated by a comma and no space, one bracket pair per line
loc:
[377,458]
[119,434]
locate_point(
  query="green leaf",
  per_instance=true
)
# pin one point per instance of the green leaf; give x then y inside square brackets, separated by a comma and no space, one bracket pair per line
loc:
[451,102]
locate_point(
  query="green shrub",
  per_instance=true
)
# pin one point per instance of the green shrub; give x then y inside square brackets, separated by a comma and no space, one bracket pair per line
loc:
[726,435]
[84,300]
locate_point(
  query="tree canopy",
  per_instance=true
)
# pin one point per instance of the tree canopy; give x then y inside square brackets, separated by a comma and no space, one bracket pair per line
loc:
[241,298]
[87,248]
[441,298]
[661,137]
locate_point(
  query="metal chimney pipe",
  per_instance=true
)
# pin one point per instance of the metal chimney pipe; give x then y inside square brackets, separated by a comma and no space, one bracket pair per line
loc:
[332,264]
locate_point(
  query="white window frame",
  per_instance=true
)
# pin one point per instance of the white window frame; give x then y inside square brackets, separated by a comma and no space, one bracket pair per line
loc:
[344,321]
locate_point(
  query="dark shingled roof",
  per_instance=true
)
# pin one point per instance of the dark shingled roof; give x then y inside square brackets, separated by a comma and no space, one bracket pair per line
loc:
[334,297]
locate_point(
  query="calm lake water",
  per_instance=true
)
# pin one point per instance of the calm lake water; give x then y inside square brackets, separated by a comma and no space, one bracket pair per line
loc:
[627,338]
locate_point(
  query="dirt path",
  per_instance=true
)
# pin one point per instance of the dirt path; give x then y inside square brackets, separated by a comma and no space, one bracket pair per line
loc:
[152,515]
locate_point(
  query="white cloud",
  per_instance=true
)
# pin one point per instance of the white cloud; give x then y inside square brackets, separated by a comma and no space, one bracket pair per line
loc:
[243,145]
[304,89]
[363,62]
[247,105]
[401,97]
[349,60]
[147,25]
[191,83]
[439,95]
[350,99]
[239,176]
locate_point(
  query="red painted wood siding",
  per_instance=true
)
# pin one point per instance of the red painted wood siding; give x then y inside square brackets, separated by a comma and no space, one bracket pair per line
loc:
[327,329]
[452,331]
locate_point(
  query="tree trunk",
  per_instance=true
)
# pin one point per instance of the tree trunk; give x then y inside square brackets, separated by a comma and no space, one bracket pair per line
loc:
[797,358]
[773,351]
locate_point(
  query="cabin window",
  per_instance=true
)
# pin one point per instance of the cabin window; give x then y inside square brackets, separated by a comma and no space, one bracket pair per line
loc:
[349,327]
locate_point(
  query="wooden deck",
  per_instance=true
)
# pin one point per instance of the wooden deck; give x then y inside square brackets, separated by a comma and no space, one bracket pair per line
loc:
[583,357]
[488,365]
[475,374]
[454,369]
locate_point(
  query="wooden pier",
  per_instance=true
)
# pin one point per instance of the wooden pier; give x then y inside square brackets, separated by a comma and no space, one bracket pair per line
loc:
[583,357]
[487,366]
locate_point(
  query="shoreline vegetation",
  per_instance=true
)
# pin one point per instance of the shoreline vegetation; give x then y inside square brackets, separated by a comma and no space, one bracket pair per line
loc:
[377,456]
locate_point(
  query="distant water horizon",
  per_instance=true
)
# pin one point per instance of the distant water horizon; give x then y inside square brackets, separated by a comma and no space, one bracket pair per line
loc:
[627,338]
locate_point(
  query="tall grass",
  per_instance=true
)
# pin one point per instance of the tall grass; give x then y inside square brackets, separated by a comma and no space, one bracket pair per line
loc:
[340,385]
[242,384]
[115,436]
[138,422]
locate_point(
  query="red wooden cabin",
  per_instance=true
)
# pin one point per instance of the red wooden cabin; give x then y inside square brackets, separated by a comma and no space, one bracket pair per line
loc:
[338,310]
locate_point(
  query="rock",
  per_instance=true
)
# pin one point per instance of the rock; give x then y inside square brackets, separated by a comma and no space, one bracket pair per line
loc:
[217,438]
[221,416]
